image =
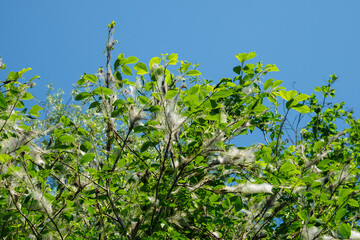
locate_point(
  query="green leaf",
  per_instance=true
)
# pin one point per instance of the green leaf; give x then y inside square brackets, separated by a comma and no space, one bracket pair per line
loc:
[225,203]
[353,203]
[344,192]
[13,76]
[276,83]
[268,83]
[82,132]
[184,66]
[193,73]
[94,105]
[85,146]
[81,82]
[131,60]
[260,108]
[27,96]
[3,103]
[20,104]
[303,215]
[87,158]
[170,94]
[117,75]
[286,167]
[119,102]
[116,64]
[21,72]
[146,145]
[271,68]
[223,93]
[245,56]
[214,198]
[34,77]
[141,68]
[91,210]
[237,69]
[126,70]
[301,97]
[238,204]
[102,90]
[340,214]
[345,230]
[173,59]
[155,108]
[66,139]
[65,121]
[154,60]
[34,111]
[144,100]
[287,95]
[126,81]
[28,197]
[23,148]
[193,90]
[82,96]
[290,103]
[4,157]
[90,78]
[301,108]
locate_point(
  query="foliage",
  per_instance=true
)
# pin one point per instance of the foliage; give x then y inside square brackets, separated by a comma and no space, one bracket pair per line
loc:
[146,152]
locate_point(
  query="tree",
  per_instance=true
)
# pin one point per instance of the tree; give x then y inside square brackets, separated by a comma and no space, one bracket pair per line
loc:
[152,158]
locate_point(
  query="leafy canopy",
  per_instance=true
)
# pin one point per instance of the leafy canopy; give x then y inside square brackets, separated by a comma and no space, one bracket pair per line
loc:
[145,151]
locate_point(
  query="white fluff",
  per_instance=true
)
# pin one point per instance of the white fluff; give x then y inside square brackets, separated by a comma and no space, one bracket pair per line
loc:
[174,120]
[250,188]
[135,114]
[37,194]
[11,144]
[327,237]
[256,188]
[315,169]
[132,91]
[354,235]
[138,83]
[35,154]
[248,90]
[241,156]
[43,201]
[216,234]
[310,233]
[161,84]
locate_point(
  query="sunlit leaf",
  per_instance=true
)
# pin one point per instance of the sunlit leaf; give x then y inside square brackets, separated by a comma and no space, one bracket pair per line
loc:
[141,68]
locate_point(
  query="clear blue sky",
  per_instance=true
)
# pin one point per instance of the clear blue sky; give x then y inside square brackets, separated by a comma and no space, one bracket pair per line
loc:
[307,40]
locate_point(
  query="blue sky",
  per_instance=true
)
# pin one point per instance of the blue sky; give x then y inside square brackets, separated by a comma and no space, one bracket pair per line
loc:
[307,40]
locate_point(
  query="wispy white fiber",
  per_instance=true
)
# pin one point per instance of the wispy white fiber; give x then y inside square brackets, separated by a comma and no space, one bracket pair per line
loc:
[42,201]
[237,156]
[36,155]
[354,235]
[161,84]
[248,90]
[250,188]
[315,169]
[310,233]
[327,237]
[131,91]
[135,115]
[174,120]
[256,188]
[138,83]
